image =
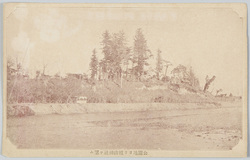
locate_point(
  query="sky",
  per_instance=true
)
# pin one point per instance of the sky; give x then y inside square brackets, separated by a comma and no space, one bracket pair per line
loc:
[62,38]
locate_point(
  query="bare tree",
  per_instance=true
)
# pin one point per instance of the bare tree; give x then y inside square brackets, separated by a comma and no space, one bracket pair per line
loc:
[208,82]
[44,68]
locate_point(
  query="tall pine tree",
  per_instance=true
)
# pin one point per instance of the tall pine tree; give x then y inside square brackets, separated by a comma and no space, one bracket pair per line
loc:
[115,53]
[94,65]
[105,63]
[120,53]
[141,54]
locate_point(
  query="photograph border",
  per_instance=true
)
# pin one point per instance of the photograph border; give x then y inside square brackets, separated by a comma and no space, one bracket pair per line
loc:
[239,151]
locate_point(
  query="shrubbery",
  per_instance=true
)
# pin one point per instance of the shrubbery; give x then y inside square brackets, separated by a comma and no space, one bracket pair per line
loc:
[64,90]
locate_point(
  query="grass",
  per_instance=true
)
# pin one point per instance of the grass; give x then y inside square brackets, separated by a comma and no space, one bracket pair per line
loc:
[133,92]
[64,91]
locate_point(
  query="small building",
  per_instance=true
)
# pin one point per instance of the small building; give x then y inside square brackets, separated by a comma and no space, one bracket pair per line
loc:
[81,100]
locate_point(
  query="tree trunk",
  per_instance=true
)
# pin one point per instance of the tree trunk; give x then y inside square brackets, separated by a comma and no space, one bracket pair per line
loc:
[127,71]
[165,74]
[121,79]
[208,83]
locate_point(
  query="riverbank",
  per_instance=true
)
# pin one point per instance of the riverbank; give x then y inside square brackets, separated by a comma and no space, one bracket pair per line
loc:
[167,127]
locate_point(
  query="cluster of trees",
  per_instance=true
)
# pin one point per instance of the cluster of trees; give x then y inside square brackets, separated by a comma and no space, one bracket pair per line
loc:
[123,62]
[120,60]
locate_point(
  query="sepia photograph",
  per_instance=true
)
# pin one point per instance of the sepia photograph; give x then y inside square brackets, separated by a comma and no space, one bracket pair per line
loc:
[125,80]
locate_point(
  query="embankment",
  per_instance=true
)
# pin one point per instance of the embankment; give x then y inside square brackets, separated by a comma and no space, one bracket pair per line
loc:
[41,109]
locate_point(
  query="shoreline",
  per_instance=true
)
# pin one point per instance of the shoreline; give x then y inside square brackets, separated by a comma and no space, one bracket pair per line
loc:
[24,109]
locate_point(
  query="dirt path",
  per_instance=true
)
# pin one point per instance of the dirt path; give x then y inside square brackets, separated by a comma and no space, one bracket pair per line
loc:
[200,129]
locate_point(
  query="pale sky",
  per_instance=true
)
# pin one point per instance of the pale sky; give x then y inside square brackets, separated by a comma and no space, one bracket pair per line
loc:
[208,39]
